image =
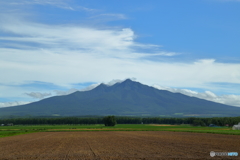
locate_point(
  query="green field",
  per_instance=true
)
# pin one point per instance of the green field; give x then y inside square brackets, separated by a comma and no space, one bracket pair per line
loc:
[24,129]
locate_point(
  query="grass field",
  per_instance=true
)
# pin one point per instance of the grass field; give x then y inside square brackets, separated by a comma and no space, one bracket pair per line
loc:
[6,131]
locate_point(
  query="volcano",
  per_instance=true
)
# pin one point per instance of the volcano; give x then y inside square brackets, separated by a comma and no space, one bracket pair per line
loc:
[128,98]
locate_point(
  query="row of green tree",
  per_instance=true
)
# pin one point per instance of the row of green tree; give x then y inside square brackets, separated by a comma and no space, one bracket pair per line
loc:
[219,121]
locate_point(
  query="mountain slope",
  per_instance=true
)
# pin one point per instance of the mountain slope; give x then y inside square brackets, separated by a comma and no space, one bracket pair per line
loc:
[125,99]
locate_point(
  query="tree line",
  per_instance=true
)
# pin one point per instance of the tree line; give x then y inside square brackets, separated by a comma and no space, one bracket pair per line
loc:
[219,121]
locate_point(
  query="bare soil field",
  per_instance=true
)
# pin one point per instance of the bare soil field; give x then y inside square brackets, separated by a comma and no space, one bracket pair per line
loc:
[117,145]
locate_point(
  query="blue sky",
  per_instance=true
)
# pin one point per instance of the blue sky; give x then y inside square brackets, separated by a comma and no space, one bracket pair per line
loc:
[54,47]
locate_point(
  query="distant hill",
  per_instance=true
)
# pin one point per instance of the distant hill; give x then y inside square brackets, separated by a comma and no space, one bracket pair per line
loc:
[128,98]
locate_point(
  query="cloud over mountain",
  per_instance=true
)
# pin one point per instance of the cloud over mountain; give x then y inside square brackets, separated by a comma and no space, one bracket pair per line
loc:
[233,100]
[38,95]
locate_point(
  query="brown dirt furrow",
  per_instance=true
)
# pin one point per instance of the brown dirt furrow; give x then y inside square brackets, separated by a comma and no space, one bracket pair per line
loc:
[123,145]
[24,142]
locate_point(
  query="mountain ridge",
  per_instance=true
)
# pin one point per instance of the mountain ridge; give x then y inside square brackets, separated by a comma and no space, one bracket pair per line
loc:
[128,98]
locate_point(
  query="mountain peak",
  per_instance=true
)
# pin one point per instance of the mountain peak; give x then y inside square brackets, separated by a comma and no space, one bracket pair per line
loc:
[128,80]
[101,86]
[128,84]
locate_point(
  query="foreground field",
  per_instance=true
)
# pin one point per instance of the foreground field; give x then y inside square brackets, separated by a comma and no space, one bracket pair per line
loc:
[117,145]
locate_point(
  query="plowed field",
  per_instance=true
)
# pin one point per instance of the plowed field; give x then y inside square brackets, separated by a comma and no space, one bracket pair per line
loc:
[117,145]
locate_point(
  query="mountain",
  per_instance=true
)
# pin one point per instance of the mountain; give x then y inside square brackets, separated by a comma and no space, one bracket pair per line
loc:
[128,98]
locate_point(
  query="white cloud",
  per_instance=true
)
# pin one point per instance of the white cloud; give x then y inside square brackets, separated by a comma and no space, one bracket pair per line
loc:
[56,3]
[38,95]
[114,81]
[9,104]
[60,93]
[233,100]
[110,16]
[168,53]
[205,61]
[21,7]
[70,49]
[84,39]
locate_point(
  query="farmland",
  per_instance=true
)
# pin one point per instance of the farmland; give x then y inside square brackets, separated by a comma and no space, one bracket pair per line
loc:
[124,141]
[116,145]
